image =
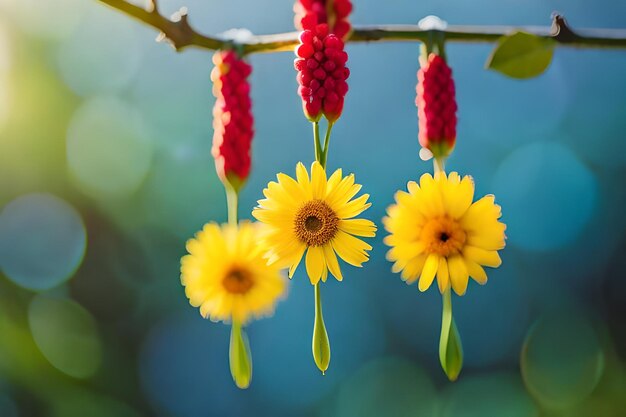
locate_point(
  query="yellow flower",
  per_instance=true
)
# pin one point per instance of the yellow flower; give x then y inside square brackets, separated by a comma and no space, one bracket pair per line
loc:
[436,230]
[226,275]
[317,216]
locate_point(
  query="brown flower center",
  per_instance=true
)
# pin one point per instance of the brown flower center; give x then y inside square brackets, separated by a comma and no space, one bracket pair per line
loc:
[316,223]
[443,236]
[238,281]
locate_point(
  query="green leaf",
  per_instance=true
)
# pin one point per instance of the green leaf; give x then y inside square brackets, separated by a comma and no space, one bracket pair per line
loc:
[521,55]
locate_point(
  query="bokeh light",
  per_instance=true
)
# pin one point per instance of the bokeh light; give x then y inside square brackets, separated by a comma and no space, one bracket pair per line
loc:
[45,19]
[66,335]
[562,360]
[82,402]
[110,66]
[387,387]
[119,128]
[552,199]
[496,115]
[42,241]
[184,368]
[7,406]
[5,63]
[346,311]
[490,395]
[487,312]
[109,150]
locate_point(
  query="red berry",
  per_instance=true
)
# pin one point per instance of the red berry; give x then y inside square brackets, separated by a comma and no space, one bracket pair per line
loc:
[311,13]
[321,68]
[436,105]
[305,50]
[232,121]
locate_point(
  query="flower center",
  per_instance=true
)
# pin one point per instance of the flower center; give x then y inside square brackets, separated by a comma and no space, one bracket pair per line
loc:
[238,281]
[443,236]
[316,223]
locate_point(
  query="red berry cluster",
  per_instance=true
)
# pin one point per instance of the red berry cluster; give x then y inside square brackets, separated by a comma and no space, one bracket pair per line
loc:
[436,104]
[232,117]
[310,13]
[322,73]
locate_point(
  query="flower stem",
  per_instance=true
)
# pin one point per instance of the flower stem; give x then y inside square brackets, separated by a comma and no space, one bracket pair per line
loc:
[439,165]
[321,344]
[324,156]
[232,197]
[317,143]
[239,356]
[450,348]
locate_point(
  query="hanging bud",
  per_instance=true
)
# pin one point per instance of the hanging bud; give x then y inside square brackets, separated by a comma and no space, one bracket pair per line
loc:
[321,343]
[436,104]
[322,73]
[239,356]
[334,13]
[232,118]
[450,347]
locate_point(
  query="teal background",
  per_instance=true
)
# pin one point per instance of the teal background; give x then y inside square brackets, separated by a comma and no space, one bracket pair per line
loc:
[105,172]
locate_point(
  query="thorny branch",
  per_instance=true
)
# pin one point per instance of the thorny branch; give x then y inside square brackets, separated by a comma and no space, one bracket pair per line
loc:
[180,34]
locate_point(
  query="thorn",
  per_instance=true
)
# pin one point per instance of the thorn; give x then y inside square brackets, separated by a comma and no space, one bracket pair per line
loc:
[560,30]
[161,37]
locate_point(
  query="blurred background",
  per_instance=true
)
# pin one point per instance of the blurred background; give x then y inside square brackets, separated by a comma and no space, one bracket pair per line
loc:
[105,172]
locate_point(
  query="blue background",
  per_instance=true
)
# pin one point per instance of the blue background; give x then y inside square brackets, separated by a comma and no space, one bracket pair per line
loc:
[105,171]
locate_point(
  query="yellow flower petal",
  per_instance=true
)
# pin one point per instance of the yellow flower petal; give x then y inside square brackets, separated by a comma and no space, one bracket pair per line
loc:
[482,257]
[476,272]
[412,270]
[458,274]
[350,249]
[226,275]
[314,213]
[358,227]
[428,273]
[292,187]
[332,262]
[337,193]
[315,263]
[443,274]
[297,255]
[435,218]
[302,177]
[353,208]
[334,180]
[318,181]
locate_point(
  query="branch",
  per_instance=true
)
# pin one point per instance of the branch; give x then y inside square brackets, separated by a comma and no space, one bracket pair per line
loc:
[181,35]
[176,31]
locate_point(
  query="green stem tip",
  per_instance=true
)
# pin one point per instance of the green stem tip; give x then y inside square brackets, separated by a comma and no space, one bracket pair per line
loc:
[450,348]
[240,357]
[321,344]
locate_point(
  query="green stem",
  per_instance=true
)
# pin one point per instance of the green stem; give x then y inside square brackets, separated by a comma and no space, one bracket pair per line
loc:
[316,139]
[239,356]
[324,155]
[450,348]
[439,165]
[232,197]
[321,343]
